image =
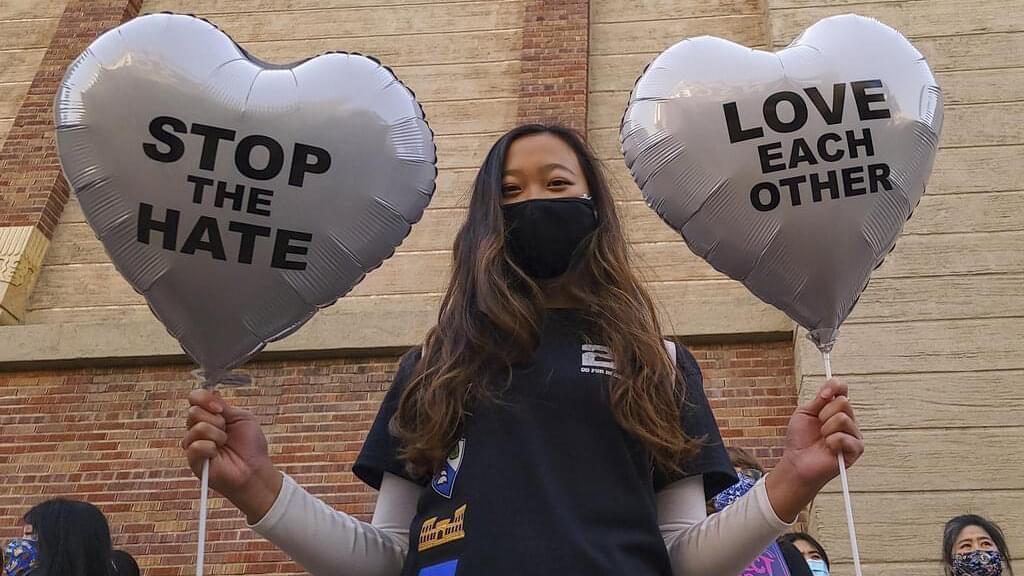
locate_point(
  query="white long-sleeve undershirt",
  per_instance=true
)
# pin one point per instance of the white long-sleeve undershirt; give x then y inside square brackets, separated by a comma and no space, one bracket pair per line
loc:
[327,542]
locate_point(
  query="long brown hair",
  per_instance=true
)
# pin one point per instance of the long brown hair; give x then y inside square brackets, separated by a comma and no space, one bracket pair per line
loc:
[491,315]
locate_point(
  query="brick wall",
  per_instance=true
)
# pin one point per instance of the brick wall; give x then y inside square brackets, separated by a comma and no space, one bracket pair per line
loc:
[110,436]
[751,389]
[553,73]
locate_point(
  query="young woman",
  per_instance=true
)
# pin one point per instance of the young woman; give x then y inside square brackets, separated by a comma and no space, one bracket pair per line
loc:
[543,427]
[974,546]
[72,539]
[812,551]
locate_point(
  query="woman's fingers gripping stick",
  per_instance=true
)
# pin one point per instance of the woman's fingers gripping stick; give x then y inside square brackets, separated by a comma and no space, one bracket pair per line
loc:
[841,423]
[204,431]
[851,447]
[208,400]
[198,415]
[198,452]
[828,391]
[838,405]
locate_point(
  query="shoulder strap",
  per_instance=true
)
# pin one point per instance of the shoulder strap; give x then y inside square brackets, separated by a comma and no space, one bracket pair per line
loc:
[670,347]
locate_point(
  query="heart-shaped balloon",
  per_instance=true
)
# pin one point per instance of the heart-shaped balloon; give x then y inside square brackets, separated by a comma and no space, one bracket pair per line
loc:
[792,172]
[237,196]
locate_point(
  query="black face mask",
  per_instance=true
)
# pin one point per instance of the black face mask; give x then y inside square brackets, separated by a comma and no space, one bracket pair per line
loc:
[541,236]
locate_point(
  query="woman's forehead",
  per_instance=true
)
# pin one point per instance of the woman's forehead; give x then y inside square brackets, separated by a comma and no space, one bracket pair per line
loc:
[538,151]
[803,544]
[972,532]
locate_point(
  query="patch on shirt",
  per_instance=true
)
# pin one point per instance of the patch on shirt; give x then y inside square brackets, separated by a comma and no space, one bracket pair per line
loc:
[442,569]
[597,360]
[438,531]
[444,481]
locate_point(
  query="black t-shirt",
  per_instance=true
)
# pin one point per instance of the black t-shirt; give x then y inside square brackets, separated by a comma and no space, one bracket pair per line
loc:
[544,481]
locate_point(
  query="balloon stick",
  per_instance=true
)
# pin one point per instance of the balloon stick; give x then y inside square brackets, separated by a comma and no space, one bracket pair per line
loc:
[847,504]
[204,488]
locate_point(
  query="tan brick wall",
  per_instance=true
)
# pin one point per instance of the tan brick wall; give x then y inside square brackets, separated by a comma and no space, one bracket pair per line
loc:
[462,59]
[624,37]
[479,68]
[36,47]
[32,189]
[26,27]
[110,436]
[934,351]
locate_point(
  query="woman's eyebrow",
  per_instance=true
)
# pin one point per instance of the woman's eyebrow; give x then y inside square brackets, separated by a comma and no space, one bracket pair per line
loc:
[553,165]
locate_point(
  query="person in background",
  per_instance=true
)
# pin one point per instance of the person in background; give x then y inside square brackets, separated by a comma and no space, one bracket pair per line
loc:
[72,539]
[749,470]
[974,546]
[20,556]
[812,551]
[124,564]
[744,462]
[794,560]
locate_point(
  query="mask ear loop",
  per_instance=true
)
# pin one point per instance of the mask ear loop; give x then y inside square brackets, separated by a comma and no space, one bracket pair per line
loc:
[594,209]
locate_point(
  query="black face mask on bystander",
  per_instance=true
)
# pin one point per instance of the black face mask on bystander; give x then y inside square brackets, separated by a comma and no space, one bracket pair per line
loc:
[542,236]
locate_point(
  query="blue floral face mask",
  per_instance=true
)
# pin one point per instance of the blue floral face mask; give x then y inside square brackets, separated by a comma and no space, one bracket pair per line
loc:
[733,493]
[21,557]
[978,563]
[818,567]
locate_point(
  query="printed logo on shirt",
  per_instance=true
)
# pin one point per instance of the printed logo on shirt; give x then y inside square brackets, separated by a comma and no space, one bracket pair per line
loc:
[442,569]
[434,532]
[597,360]
[444,480]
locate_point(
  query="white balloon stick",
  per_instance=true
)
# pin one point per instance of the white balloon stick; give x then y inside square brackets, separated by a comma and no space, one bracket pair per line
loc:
[204,489]
[847,504]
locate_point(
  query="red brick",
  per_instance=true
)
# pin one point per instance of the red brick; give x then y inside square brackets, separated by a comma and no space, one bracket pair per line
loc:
[128,420]
[554,63]
[751,382]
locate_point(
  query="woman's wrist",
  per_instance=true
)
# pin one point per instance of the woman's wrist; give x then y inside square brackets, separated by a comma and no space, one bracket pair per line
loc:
[788,491]
[257,496]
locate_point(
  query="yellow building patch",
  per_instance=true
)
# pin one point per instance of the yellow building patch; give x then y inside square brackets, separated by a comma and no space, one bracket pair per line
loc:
[436,532]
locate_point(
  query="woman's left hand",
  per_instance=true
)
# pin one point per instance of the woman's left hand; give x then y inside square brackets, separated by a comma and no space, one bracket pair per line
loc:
[817,432]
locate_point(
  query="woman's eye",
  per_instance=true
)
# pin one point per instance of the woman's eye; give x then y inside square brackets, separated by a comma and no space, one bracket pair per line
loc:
[560,183]
[509,189]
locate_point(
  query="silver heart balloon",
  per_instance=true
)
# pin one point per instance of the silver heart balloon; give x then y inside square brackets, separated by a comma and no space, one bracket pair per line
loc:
[237,196]
[792,172]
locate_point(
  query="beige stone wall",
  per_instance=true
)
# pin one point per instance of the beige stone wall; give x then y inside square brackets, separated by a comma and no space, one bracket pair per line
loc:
[624,37]
[25,30]
[462,61]
[934,351]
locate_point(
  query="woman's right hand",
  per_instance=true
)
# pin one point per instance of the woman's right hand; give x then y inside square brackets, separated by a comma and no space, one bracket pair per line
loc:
[231,439]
